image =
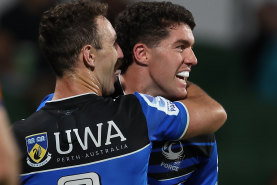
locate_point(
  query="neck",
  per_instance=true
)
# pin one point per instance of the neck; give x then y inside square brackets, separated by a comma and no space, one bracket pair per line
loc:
[136,79]
[75,84]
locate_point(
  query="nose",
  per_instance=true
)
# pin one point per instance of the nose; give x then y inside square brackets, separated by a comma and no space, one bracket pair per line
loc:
[190,58]
[119,52]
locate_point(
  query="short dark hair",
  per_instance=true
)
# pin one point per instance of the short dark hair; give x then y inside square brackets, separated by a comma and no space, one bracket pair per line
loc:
[147,22]
[66,28]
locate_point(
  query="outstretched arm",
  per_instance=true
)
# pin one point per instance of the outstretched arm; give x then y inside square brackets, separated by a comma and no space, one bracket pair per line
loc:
[206,115]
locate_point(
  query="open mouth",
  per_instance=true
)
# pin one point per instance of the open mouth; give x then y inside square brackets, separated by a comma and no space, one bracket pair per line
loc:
[183,75]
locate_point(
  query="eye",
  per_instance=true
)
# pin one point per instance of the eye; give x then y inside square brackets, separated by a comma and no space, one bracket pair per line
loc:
[181,48]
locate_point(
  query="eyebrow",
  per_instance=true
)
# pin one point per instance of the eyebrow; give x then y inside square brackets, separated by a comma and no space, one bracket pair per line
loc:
[185,42]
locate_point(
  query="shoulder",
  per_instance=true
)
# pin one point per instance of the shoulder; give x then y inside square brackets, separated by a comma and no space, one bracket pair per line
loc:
[160,103]
[34,121]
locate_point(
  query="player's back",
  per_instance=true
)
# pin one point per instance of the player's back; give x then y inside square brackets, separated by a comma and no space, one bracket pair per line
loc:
[88,140]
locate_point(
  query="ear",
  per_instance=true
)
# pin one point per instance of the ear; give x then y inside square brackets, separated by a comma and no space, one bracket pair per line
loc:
[141,54]
[89,56]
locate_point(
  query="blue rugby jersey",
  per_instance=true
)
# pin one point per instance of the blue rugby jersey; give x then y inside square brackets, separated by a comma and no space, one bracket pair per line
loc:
[88,139]
[187,162]
[207,173]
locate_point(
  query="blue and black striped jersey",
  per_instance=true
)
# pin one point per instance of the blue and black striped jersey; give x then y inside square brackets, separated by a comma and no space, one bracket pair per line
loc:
[192,161]
[89,139]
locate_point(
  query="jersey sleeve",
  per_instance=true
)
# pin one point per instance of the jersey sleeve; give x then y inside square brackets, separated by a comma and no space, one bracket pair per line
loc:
[166,120]
[45,99]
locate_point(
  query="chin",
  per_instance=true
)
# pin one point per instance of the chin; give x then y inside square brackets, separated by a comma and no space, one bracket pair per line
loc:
[179,96]
[175,97]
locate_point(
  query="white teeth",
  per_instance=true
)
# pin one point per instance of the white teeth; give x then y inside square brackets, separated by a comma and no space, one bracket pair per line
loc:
[184,74]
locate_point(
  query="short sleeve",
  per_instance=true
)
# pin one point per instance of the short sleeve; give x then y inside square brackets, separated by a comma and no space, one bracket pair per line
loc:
[166,120]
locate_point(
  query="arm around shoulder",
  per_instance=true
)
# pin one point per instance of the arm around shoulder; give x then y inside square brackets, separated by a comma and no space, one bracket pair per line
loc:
[206,115]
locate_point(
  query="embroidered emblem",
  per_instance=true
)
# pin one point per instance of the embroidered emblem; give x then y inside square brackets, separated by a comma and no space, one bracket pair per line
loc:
[37,145]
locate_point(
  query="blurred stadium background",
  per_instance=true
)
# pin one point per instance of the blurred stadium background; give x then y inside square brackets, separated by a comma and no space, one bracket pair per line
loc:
[236,46]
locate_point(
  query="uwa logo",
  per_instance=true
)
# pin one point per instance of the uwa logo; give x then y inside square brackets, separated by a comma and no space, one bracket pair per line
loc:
[112,132]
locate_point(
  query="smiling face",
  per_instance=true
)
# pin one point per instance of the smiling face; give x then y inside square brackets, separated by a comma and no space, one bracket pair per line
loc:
[106,58]
[170,63]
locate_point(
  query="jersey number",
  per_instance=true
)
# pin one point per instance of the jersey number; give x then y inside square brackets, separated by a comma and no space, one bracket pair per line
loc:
[80,179]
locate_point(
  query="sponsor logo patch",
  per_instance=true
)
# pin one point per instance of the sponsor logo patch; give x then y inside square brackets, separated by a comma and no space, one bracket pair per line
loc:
[37,145]
[161,104]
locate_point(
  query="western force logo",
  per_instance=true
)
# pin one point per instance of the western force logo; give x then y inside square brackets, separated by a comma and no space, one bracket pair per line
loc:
[173,150]
[173,155]
[37,145]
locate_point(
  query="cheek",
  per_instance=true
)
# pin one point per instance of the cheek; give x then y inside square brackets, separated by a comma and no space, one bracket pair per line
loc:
[166,63]
[113,52]
[110,60]
[169,65]
[162,73]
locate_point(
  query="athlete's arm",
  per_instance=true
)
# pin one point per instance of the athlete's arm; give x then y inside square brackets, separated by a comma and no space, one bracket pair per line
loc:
[9,155]
[206,115]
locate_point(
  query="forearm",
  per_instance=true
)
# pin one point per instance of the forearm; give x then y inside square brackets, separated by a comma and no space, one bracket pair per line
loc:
[206,114]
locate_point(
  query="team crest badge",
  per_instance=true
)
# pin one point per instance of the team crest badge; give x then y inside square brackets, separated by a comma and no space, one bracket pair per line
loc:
[37,146]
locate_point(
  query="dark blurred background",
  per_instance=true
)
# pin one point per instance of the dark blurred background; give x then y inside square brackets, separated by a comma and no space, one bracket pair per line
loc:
[236,46]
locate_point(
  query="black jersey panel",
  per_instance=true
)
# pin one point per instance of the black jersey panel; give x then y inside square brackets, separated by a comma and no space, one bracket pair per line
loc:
[172,174]
[81,130]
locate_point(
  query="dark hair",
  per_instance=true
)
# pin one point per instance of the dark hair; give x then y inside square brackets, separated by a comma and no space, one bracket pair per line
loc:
[65,29]
[147,22]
